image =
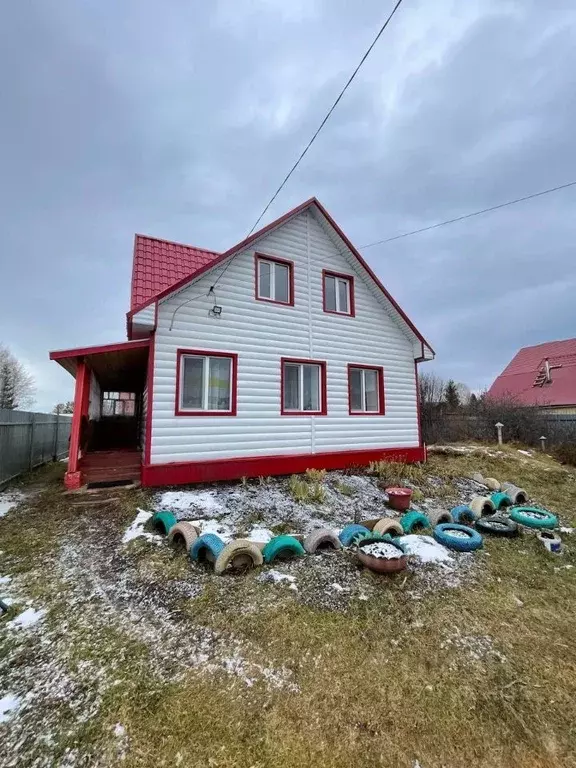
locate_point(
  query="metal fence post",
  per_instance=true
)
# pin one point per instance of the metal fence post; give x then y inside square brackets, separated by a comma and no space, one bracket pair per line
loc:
[55,451]
[31,451]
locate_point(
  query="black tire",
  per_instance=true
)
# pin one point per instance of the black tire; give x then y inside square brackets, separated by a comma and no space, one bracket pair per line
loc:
[497,525]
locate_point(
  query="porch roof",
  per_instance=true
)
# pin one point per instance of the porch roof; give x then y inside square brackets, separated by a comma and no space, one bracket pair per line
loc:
[120,366]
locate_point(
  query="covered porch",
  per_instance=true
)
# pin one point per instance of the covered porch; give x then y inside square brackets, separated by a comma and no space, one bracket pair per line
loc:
[109,426]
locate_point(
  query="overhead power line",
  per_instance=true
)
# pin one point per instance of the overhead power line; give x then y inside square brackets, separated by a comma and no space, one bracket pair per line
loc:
[469,215]
[327,116]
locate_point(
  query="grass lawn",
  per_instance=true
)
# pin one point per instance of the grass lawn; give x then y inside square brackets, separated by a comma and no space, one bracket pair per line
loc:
[143,659]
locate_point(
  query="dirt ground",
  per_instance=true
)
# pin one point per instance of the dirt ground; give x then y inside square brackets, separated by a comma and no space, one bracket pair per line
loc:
[128,654]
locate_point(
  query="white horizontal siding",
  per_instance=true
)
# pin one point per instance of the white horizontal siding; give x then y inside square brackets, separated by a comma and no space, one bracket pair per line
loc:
[261,333]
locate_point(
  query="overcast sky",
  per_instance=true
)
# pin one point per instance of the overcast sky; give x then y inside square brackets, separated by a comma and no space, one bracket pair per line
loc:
[179,119]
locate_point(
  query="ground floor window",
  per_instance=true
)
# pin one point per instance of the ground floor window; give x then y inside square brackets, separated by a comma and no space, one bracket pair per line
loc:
[303,386]
[206,383]
[118,404]
[366,389]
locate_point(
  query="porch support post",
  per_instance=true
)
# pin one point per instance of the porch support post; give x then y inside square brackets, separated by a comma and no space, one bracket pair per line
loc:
[72,478]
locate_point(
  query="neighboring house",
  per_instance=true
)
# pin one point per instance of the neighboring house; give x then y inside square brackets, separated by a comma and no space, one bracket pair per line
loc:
[281,354]
[543,375]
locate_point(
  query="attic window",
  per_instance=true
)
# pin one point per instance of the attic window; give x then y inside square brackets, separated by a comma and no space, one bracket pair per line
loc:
[274,279]
[338,293]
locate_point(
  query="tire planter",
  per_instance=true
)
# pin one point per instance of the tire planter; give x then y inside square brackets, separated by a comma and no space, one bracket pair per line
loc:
[206,547]
[164,521]
[240,553]
[550,540]
[323,538]
[482,506]
[282,546]
[492,484]
[497,525]
[184,533]
[463,514]
[518,495]
[381,564]
[501,500]
[532,517]
[458,537]
[399,498]
[413,521]
[388,525]
[439,517]
[350,532]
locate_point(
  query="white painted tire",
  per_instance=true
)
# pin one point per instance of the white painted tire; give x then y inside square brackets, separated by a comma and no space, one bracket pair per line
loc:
[388,525]
[183,532]
[482,506]
[240,553]
[438,517]
[478,478]
[492,484]
[518,495]
[319,538]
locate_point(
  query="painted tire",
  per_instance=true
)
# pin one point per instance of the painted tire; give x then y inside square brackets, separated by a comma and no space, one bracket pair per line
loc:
[322,538]
[281,546]
[492,484]
[350,532]
[501,500]
[518,495]
[439,517]
[482,506]
[497,525]
[183,533]
[532,517]
[388,525]
[413,521]
[463,514]
[207,544]
[239,553]
[164,521]
[551,541]
[458,537]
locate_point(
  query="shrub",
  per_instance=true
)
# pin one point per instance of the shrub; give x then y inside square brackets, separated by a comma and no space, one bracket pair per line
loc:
[565,453]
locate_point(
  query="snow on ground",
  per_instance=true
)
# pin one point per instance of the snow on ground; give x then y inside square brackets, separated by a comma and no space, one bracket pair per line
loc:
[136,529]
[9,704]
[10,499]
[27,619]
[190,501]
[5,579]
[426,549]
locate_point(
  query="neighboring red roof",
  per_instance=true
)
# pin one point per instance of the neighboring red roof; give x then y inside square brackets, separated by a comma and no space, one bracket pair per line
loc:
[518,379]
[158,264]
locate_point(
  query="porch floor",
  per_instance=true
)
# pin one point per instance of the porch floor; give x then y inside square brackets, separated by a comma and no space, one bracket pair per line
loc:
[107,466]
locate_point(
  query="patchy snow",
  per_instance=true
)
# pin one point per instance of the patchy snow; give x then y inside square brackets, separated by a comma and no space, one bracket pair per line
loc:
[426,549]
[136,529]
[5,579]
[9,500]
[525,453]
[9,704]
[190,501]
[259,534]
[564,529]
[476,647]
[276,577]
[27,619]
[213,526]
[381,549]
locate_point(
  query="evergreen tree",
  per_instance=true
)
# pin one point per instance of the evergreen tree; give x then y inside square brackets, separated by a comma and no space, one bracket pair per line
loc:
[451,395]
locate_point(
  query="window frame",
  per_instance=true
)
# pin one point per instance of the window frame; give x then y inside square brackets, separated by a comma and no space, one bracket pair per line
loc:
[342,276]
[180,355]
[258,256]
[323,386]
[381,397]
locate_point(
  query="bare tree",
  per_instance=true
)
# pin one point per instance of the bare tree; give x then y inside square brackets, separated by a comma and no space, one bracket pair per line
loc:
[67,407]
[17,388]
[464,393]
[431,388]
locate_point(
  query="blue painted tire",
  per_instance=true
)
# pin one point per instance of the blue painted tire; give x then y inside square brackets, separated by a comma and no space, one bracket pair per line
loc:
[414,519]
[208,542]
[460,542]
[164,521]
[463,514]
[532,517]
[281,546]
[501,500]
[350,532]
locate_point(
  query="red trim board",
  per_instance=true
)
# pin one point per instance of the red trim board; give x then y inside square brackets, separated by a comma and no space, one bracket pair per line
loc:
[287,263]
[150,398]
[234,383]
[181,473]
[350,278]
[81,395]
[381,400]
[60,354]
[323,387]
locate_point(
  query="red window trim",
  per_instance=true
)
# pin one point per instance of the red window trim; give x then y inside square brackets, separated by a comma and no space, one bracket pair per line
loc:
[350,278]
[381,401]
[323,387]
[290,264]
[234,386]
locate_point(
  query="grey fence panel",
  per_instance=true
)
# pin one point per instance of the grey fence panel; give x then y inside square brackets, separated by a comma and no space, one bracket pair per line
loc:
[28,440]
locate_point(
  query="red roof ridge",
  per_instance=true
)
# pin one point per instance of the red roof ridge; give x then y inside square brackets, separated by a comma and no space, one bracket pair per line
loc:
[173,242]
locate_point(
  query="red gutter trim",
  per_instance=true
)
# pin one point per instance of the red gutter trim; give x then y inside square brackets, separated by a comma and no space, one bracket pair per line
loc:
[381,400]
[290,264]
[150,399]
[119,346]
[323,387]
[233,389]
[350,278]
[202,471]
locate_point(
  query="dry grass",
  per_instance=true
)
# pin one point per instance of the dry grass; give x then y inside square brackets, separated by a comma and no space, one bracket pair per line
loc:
[387,683]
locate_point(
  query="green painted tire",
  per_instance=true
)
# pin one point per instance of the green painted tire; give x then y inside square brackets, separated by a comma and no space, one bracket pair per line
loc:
[501,500]
[532,517]
[414,520]
[164,521]
[282,546]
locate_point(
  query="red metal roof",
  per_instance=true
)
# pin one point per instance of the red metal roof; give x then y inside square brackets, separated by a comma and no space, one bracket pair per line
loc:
[519,377]
[159,264]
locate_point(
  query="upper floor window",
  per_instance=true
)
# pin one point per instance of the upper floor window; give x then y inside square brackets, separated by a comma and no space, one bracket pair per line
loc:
[366,390]
[274,279]
[338,293]
[303,386]
[206,383]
